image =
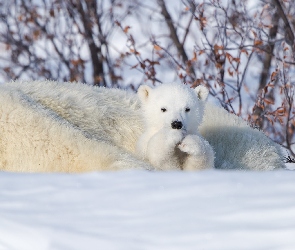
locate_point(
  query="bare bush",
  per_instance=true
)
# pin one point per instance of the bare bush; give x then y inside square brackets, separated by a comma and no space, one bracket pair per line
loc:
[60,39]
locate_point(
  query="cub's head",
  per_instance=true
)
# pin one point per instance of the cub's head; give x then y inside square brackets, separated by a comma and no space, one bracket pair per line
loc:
[173,106]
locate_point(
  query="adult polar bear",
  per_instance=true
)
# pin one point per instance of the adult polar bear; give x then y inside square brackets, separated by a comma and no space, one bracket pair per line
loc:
[48,126]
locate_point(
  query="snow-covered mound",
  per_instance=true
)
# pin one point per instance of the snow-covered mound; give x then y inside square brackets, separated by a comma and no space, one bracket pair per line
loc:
[211,209]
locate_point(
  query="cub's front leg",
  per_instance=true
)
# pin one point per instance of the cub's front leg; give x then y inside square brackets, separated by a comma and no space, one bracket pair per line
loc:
[161,149]
[200,154]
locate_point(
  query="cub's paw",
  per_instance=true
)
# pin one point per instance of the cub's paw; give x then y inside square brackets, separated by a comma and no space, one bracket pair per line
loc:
[175,137]
[193,145]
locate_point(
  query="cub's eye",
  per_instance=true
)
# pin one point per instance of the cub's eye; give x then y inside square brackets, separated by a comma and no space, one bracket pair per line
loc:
[187,110]
[163,110]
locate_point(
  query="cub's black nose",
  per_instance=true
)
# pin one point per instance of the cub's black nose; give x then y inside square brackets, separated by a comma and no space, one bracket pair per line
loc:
[176,125]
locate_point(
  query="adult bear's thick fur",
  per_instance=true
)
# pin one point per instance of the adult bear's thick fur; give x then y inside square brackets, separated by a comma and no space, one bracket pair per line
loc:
[46,126]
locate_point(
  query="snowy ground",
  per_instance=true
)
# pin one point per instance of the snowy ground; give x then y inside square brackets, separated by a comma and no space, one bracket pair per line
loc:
[148,210]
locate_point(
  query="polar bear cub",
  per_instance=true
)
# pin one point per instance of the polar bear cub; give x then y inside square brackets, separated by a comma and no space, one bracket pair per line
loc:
[172,114]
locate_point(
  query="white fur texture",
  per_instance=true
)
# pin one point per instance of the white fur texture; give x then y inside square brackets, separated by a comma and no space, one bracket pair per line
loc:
[167,146]
[47,126]
[51,127]
[236,144]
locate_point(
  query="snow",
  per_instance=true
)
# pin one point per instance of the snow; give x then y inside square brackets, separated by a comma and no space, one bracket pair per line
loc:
[210,209]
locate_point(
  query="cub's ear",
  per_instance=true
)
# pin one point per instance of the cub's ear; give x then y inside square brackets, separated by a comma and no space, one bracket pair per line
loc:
[144,92]
[202,92]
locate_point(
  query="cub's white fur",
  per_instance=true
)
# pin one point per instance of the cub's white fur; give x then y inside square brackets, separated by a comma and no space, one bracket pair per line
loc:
[47,126]
[172,114]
